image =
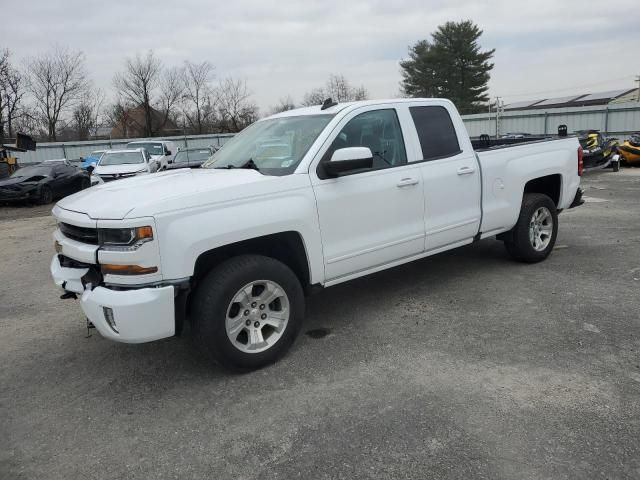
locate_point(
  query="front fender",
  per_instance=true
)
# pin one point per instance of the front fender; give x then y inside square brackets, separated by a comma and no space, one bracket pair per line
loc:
[185,235]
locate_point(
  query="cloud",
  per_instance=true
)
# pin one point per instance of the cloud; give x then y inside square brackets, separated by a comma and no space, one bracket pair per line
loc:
[288,47]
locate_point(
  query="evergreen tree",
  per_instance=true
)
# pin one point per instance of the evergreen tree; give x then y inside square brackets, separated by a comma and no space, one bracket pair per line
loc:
[450,65]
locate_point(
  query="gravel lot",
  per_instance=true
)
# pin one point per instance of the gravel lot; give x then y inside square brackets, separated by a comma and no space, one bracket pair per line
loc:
[464,365]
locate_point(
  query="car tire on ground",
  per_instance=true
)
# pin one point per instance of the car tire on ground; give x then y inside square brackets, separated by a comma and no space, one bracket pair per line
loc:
[616,166]
[534,235]
[247,312]
[46,195]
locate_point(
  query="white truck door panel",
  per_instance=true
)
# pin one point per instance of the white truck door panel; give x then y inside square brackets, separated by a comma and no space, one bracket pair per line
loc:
[375,217]
[370,219]
[452,200]
[451,176]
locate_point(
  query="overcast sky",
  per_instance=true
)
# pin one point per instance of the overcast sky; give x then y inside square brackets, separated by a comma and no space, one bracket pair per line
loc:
[544,48]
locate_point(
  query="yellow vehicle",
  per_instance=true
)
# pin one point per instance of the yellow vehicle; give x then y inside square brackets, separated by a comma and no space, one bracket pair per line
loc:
[630,150]
[8,161]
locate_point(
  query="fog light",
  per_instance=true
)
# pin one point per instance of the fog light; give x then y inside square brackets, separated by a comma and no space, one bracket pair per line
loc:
[108,316]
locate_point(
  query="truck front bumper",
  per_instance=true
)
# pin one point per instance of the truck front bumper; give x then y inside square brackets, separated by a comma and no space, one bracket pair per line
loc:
[132,315]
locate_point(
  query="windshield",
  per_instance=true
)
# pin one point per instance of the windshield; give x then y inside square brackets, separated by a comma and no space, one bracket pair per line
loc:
[31,172]
[275,146]
[121,158]
[154,148]
[193,155]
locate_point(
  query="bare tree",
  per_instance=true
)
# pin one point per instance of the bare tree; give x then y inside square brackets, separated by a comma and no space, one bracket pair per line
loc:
[338,89]
[57,81]
[314,97]
[4,66]
[119,114]
[171,92]
[283,105]
[237,111]
[13,90]
[199,103]
[137,83]
[85,118]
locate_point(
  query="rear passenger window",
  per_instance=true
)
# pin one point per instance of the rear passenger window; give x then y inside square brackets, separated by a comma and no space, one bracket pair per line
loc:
[437,135]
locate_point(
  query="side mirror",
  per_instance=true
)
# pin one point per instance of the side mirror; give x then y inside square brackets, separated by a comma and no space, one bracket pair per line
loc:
[167,152]
[348,159]
[170,160]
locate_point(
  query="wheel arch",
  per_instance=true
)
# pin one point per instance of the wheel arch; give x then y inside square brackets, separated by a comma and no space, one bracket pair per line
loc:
[287,247]
[550,185]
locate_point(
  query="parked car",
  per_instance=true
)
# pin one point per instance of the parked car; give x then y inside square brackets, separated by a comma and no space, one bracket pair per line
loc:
[237,243]
[161,151]
[191,157]
[119,164]
[90,162]
[43,182]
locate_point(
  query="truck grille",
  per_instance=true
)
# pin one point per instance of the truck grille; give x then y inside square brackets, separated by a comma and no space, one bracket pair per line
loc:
[79,234]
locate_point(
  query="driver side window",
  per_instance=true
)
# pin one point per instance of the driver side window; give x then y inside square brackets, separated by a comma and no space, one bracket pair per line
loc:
[380,131]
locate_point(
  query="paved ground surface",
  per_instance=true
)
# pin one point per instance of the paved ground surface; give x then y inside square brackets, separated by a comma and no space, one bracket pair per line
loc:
[465,365]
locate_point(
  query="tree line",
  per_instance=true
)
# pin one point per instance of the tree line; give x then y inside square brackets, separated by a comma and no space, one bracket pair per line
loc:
[52,97]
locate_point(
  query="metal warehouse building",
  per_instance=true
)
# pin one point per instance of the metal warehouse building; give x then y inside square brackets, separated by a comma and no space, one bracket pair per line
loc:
[615,113]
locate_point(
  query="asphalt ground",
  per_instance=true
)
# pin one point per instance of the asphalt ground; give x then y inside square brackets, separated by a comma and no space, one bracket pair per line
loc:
[463,365]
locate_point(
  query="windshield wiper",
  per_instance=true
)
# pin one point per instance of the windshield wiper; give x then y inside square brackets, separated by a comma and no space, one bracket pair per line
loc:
[250,164]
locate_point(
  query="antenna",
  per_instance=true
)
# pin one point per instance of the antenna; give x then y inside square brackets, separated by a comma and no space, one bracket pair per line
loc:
[328,103]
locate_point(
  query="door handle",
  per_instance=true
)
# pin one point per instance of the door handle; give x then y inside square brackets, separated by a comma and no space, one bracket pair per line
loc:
[407,182]
[465,170]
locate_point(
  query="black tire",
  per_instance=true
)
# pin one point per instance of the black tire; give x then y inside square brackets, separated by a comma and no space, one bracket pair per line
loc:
[616,166]
[519,245]
[46,195]
[214,295]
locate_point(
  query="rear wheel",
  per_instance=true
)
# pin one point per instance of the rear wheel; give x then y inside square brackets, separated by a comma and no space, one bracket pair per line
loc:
[534,236]
[46,195]
[247,312]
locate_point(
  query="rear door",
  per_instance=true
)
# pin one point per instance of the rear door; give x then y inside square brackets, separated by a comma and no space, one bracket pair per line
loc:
[374,217]
[451,176]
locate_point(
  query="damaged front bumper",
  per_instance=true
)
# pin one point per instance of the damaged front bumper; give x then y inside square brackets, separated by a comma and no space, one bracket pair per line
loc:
[129,315]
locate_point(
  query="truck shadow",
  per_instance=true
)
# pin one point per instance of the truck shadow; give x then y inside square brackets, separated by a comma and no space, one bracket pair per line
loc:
[147,372]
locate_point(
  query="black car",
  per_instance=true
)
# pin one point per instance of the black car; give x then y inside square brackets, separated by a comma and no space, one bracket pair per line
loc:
[192,157]
[43,182]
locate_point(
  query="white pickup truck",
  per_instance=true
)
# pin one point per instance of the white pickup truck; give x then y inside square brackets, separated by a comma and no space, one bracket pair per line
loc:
[306,198]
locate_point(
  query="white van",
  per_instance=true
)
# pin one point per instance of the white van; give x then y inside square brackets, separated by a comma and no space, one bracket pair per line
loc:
[118,164]
[161,151]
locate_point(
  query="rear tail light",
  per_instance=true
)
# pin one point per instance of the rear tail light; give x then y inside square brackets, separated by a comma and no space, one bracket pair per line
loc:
[580,161]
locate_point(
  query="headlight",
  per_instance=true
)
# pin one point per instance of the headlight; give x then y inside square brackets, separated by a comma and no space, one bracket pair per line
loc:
[125,239]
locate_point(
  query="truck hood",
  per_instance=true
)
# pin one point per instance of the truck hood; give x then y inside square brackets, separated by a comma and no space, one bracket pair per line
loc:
[148,195]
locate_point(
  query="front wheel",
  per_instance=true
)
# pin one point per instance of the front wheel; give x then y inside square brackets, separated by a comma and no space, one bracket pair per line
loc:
[247,312]
[46,195]
[534,236]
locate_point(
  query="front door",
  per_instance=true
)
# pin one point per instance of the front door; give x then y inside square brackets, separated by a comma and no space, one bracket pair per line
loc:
[375,217]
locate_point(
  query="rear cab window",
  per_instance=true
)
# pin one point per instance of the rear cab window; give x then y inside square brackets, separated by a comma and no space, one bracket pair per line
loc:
[437,135]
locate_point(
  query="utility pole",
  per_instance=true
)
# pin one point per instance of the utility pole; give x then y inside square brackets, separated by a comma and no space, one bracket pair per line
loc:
[498,112]
[637,80]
